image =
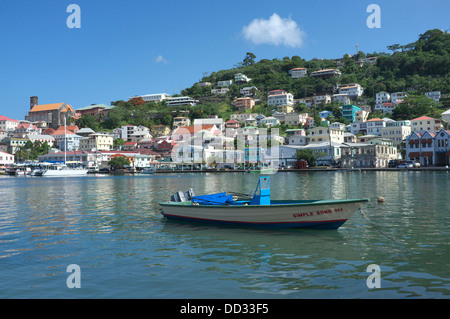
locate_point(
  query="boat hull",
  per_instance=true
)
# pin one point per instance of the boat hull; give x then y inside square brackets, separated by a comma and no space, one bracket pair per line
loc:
[68,172]
[320,214]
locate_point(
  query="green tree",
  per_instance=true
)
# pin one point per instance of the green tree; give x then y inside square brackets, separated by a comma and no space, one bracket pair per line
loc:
[308,155]
[119,162]
[249,59]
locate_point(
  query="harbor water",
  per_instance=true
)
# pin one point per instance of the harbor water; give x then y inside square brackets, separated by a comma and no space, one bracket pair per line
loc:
[110,229]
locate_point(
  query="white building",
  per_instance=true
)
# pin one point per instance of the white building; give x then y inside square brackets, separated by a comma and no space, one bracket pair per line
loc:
[97,142]
[374,126]
[382,97]
[181,100]
[220,91]
[280,99]
[241,78]
[153,97]
[398,97]
[248,90]
[6,159]
[133,133]
[446,116]
[322,98]
[218,122]
[270,121]
[7,124]
[295,119]
[321,134]
[224,83]
[341,98]
[396,133]
[42,138]
[326,73]
[297,73]
[436,95]
[352,89]
[70,142]
[425,123]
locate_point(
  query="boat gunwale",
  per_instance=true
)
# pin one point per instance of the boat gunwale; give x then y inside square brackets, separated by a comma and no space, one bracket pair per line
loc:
[285,203]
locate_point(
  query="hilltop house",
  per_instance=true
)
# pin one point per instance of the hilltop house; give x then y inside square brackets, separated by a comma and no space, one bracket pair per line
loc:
[297,73]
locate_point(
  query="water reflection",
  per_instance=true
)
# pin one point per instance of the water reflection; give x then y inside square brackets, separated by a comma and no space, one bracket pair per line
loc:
[112,227]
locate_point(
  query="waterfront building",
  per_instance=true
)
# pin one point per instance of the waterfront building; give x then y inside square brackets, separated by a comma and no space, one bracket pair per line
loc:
[6,159]
[429,148]
[426,123]
[297,73]
[54,114]
[349,112]
[358,155]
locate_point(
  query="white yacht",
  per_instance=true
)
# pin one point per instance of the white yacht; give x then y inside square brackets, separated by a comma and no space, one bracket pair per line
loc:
[64,170]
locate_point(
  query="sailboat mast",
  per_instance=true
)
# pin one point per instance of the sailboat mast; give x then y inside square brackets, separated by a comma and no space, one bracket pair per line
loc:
[65,141]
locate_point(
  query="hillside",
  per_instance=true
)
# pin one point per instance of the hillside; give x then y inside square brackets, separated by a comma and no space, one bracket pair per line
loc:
[416,67]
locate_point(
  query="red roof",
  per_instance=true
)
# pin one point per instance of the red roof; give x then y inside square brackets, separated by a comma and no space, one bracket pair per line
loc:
[375,120]
[193,129]
[423,118]
[4,118]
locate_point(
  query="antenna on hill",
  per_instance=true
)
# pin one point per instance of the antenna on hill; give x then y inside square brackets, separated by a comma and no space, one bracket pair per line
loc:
[357,48]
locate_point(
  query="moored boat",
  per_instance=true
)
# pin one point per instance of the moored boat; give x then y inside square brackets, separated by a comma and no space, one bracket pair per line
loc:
[260,210]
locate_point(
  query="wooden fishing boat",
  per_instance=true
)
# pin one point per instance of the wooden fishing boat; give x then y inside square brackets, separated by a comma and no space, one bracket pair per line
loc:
[260,210]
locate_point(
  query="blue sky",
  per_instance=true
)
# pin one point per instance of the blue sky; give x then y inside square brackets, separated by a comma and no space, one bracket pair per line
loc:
[126,48]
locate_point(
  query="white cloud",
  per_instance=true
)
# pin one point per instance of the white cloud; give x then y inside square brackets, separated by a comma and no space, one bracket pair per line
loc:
[160,59]
[274,31]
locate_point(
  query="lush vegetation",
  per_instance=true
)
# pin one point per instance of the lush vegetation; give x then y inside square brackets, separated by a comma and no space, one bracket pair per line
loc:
[31,151]
[416,67]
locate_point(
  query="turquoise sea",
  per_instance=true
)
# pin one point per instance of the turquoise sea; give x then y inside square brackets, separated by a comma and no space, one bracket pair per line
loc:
[111,229]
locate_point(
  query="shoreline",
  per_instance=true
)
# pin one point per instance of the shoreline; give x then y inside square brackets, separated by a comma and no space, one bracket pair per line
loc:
[307,170]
